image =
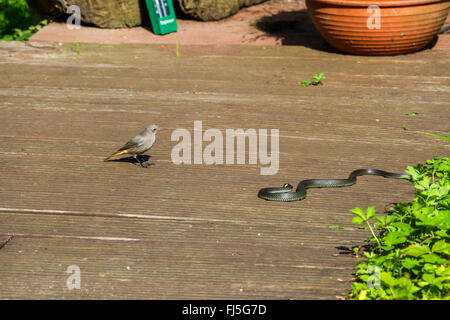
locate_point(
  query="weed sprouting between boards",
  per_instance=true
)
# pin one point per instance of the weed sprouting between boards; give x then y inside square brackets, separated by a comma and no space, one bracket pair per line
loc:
[315,80]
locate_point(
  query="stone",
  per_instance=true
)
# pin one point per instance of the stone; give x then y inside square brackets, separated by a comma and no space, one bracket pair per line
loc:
[101,13]
[130,13]
[208,10]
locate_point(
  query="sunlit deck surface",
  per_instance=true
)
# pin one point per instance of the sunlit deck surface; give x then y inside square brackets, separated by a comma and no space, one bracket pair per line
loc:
[200,231]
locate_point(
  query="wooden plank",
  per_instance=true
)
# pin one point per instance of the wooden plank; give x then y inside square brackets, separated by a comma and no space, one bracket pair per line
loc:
[36,267]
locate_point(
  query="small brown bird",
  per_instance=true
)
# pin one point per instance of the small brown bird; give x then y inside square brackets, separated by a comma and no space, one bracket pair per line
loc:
[139,144]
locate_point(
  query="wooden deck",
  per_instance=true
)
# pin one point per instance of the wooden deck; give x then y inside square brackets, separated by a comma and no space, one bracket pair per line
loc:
[197,231]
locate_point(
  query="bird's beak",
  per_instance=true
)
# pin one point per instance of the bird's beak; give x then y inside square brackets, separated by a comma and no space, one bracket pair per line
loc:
[159,129]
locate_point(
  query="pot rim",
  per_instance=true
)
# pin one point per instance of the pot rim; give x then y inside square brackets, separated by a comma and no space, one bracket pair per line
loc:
[379,3]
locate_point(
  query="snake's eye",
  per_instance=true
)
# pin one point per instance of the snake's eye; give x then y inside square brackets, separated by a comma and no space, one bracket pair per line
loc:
[286,185]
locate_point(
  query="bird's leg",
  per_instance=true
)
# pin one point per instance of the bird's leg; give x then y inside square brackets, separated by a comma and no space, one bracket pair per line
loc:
[137,159]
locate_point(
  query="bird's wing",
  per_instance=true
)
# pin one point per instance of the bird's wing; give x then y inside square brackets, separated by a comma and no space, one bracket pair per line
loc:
[133,143]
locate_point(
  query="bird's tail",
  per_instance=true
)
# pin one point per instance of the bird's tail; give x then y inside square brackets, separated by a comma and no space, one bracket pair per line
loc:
[118,153]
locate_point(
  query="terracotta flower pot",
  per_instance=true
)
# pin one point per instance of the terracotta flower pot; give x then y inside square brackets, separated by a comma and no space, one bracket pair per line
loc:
[396,27]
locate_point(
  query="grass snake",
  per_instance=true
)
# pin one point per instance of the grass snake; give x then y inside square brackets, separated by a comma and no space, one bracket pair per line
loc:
[284,193]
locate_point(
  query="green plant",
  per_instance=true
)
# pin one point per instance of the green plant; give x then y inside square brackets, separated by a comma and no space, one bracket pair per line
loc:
[316,80]
[78,46]
[17,21]
[365,217]
[177,49]
[437,136]
[411,252]
[25,34]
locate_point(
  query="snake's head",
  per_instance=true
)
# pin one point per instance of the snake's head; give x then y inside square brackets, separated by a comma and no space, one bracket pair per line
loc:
[287,185]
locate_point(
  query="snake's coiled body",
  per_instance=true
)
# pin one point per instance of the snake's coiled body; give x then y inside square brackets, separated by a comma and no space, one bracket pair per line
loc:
[284,193]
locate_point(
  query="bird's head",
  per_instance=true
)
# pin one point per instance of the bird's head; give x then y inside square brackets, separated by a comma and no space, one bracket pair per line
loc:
[153,128]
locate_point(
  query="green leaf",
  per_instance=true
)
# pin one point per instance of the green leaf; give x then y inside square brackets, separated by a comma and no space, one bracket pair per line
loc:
[412,172]
[384,221]
[318,77]
[405,228]
[177,49]
[433,258]
[404,289]
[358,220]
[387,279]
[371,212]
[8,37]
[410,263]
[429,278]
[393,238]
[437,136]
[362,295]
[441,246]
[416,250]
[340,227]
[306,83]
[359,212]
[429,216]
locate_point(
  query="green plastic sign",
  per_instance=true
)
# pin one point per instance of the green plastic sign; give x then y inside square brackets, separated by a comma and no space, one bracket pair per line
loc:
[162,16]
